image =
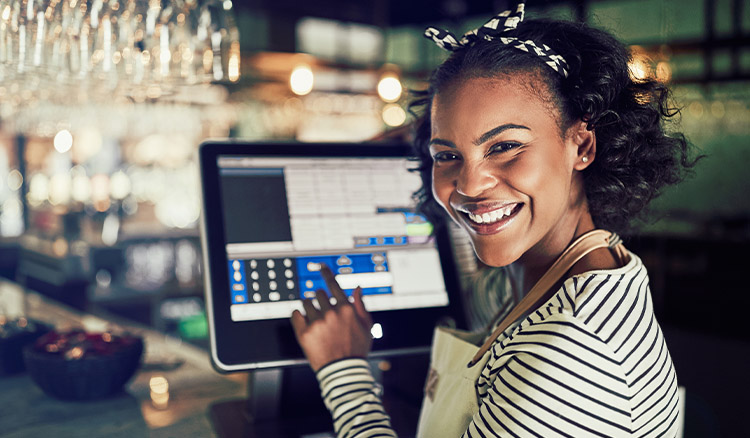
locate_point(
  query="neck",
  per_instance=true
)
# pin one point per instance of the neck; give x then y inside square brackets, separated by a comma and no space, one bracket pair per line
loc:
[538,260]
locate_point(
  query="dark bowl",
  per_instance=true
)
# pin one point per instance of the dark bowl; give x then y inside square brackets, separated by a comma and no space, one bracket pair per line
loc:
[91,376]
[14,336]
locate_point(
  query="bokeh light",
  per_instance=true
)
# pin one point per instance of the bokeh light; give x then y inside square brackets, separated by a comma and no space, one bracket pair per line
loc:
[389,88]
[663,71]
[63,141]
[394,115]
[302,80]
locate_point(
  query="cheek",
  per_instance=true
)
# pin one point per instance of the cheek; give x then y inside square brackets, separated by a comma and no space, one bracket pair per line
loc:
[541,178]
[526,176]
[442,186]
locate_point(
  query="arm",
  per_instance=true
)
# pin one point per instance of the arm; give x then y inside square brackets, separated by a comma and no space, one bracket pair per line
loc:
[353,397]
[335,339]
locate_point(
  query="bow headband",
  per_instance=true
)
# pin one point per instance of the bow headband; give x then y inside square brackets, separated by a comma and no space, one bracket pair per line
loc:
[494,30]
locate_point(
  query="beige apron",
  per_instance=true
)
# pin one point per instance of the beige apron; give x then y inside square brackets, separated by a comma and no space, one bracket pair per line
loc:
[450,413]
[451,399]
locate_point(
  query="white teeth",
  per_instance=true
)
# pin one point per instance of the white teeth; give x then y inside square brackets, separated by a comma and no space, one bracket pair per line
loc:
[492,216]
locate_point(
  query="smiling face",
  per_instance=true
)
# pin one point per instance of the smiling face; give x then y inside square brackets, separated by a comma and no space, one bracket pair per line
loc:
[505,172]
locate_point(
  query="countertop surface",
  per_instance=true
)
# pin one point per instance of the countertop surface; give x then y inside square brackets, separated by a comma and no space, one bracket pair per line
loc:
[26,411]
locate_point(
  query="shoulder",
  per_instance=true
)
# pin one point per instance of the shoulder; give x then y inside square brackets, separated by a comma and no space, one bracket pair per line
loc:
[592,352]
[613,303]
[572,332]
[590,294]
[604,306]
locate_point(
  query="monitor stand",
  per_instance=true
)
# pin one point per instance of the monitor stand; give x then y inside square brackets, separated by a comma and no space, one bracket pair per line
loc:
[281,402]
[286,402]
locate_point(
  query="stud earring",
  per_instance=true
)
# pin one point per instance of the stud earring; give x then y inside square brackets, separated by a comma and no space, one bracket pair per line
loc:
[585,159]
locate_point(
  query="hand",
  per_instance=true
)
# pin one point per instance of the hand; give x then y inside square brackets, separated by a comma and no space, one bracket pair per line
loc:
[335,331]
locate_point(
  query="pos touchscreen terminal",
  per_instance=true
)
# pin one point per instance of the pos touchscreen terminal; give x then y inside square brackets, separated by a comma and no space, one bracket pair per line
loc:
[273,213]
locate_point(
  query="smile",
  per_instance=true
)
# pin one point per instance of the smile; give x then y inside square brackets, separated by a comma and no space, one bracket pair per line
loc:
[491,221]
[492,216]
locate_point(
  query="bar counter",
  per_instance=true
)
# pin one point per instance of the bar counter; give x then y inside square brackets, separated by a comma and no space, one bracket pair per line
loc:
[26,411]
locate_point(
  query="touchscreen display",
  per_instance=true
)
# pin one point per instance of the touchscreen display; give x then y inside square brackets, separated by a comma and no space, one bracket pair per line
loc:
[284,217]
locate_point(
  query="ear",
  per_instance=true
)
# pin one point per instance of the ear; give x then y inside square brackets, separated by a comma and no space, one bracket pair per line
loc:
[583,141]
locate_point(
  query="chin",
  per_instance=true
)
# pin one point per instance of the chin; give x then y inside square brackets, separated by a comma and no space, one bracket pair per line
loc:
[494,257]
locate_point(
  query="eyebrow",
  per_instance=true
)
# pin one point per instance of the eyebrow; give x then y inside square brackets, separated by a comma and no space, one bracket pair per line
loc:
[495,131]
[442,142]
[483,138]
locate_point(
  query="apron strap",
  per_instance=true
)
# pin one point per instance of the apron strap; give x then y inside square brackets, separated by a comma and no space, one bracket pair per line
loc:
[582,246]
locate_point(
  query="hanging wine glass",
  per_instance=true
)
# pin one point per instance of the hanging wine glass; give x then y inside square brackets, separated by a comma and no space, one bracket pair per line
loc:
[97,49]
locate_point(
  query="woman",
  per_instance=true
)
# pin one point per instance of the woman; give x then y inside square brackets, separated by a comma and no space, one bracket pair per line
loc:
[534,137]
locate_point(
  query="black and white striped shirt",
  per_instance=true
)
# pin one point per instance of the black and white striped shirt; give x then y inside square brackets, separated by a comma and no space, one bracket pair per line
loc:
[591,361]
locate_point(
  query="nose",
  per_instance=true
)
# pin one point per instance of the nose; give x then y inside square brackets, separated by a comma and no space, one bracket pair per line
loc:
[474,179]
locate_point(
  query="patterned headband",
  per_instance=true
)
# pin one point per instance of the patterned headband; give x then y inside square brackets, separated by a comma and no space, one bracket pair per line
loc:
[494,30]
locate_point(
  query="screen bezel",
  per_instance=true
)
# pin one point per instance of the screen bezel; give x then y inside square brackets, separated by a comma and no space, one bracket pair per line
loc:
[230,348]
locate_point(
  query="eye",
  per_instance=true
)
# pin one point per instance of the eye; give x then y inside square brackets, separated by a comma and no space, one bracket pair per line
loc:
[444,156]
[503,146]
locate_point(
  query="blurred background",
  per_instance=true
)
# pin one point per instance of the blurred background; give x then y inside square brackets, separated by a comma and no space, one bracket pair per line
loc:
[103,104]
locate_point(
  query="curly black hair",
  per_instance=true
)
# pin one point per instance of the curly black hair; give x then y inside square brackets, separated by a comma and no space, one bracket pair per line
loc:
[635,158]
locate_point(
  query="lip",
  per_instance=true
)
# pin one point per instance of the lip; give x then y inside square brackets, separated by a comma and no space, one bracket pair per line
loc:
[478,209]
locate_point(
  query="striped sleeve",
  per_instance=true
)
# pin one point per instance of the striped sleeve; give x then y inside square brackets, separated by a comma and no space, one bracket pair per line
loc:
[553,380]
[352,395]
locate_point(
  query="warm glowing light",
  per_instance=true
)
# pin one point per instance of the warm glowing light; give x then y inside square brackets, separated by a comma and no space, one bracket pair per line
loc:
[110,229]
[63,141]
[301,80]
[12,208]
[160,401]
[153,91]
[639,65]
[389,88]
[638,70]
[159,385]
[394,115]
[60,247]
[15,179]
[178,210]
[100,187]
[81,188]
[663,71]
[74,353]
[159,392]
[696,109]
[38,189]
[60,188]
[208,59]
[119,185]
[102,205]
[227,5]
[233,65]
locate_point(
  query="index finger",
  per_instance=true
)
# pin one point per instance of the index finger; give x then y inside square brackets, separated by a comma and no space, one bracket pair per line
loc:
[333,286]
